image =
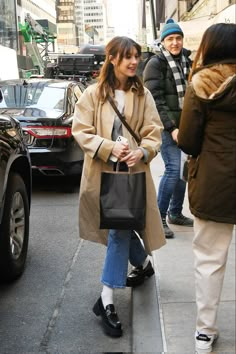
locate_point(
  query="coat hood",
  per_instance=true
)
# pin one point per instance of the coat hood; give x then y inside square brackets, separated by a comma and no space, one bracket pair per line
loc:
[216,83]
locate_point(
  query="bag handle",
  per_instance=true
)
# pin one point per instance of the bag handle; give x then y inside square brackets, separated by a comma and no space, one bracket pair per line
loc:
[117,169]
[122,118]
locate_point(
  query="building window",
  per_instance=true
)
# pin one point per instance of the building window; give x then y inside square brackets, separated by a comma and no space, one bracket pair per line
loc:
[8,24]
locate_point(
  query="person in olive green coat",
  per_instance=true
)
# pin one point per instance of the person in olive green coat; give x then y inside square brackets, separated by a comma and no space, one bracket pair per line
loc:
[208,133]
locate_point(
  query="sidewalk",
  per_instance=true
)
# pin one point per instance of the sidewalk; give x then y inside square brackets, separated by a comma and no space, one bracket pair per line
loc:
[164,309]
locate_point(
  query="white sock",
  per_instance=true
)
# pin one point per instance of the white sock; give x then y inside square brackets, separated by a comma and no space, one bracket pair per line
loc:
[145,263]
[107,296]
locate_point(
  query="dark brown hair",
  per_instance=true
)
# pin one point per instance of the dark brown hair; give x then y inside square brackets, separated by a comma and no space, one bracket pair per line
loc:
[107,81]
[218,43]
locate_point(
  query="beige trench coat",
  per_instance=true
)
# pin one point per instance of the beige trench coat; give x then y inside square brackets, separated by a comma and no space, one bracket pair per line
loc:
[92,128]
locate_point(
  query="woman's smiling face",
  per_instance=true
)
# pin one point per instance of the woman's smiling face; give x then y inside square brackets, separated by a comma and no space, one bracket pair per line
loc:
[128,65]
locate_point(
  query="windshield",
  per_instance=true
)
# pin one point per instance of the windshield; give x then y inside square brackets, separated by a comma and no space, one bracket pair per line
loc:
[35,95]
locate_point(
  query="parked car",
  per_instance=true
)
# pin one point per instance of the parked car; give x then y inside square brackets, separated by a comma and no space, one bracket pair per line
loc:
[44,108]
[15,198]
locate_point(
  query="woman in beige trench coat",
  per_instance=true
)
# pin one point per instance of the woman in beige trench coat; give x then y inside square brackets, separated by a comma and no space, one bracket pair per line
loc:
[96,128]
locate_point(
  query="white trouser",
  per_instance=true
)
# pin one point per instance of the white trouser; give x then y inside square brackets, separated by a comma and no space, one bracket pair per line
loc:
[210,247]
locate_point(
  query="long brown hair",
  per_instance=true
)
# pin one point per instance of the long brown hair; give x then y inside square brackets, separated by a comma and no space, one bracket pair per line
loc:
[218,43]
[107,81]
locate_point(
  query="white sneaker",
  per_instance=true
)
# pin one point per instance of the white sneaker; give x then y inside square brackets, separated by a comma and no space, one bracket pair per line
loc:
[203,342]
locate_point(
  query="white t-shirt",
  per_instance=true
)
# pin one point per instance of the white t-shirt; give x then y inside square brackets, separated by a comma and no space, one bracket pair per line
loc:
[117,127]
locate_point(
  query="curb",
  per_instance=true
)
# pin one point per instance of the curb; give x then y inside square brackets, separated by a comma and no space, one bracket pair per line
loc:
[148,331]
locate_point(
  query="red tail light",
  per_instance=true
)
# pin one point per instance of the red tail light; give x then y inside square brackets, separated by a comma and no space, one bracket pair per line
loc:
[48,132]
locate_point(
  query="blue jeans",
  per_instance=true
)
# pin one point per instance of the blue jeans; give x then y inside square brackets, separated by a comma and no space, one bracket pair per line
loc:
[123,246]
[171,188]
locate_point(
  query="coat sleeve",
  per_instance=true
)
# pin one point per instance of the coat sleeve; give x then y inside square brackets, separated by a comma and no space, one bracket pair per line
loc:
[84,130]
[192,123]
[154,79]
[151,129]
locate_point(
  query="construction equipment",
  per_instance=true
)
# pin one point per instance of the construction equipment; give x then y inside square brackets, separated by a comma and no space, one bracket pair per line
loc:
[83,66]
[36,36]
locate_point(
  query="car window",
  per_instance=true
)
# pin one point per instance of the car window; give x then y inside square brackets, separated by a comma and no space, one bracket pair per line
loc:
[35,96]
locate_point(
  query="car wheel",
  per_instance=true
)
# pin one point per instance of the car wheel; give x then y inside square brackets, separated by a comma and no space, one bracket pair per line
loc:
[14,232]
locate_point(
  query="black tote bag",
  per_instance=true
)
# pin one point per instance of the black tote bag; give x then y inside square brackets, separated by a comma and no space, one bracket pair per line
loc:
[123,200]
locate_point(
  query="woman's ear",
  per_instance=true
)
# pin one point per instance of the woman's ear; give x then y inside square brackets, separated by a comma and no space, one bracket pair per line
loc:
[112,60]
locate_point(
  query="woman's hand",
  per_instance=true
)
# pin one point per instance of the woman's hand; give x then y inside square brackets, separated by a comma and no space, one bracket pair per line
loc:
[174,135]
[133,157]
[120,150]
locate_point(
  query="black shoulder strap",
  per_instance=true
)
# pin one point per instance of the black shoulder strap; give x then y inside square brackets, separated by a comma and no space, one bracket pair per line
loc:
[122,118]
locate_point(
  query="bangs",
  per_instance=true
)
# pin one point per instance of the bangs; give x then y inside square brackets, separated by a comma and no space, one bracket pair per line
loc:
[126,48]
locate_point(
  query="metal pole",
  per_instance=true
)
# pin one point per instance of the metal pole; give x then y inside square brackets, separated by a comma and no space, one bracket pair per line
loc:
[154,30]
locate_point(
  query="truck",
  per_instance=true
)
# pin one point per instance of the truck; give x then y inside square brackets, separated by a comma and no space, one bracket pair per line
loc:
[78,66]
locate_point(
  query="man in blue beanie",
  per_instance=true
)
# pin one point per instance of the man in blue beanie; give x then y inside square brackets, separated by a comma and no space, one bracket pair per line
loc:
[166,76]
[169,28]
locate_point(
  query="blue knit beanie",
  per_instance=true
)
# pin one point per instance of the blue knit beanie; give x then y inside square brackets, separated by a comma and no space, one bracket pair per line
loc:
[170,27]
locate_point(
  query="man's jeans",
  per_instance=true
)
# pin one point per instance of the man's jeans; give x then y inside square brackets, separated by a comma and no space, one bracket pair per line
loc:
[171,188]
[123,246]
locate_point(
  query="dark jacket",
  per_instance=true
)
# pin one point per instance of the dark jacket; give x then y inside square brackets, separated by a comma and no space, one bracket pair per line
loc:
[158,78]
[208,133]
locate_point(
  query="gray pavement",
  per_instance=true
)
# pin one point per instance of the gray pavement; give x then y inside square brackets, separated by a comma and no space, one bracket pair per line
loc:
[164,309]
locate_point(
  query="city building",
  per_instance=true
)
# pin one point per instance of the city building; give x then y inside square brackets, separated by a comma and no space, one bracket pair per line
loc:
[67,31]
[8,24]
[38,9]
[90,17]
[109,20]
[194,17]
[8,40]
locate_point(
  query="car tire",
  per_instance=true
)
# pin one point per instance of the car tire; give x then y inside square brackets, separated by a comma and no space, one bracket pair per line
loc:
[14,230]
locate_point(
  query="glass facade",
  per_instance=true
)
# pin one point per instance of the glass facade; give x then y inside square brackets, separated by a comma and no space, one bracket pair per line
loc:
[8,24]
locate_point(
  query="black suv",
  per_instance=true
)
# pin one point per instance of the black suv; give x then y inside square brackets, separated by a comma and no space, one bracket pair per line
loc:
[15,198]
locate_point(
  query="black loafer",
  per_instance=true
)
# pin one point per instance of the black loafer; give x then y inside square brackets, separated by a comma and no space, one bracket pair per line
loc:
[137,276]
[110,319]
